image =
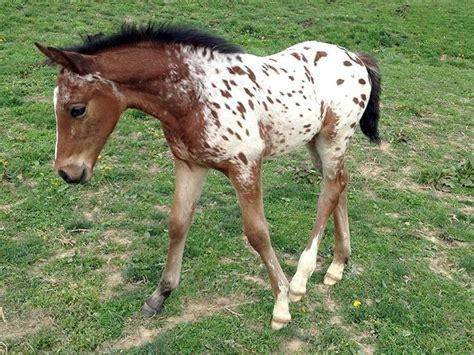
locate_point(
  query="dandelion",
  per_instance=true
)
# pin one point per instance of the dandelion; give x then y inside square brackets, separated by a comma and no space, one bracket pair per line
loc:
[357,303]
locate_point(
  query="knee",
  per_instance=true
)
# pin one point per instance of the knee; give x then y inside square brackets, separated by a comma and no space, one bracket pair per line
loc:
[178,224]
[258,236]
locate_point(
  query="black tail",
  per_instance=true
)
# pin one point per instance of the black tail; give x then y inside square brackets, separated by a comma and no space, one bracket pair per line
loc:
[370,119]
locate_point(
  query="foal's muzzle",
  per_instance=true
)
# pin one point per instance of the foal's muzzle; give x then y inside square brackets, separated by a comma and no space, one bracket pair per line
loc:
[75,174]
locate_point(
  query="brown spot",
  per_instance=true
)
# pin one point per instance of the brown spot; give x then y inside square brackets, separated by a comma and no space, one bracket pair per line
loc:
[362,104]
[308,74]
[216,105]
[236,70]
[269,91]
[353,125]
[329,124]
[362,81]
[363,97]
[289,95]
[238,136]
[304,58]
[227,85]
[230,131]
[232,82]
[251,104]
[307,125]
[252,76]
[291,78]
[347,63]
[225,93]
[284,70]
[319,55]
[339,81]
[274,69]
[241,108]
[247,132]
[227,106]
[278,100]
[240,124]
[225,138]
[248,92]
[296,55]
[356,100]
[243,158]
[265,105]
[239,58]
[269,99]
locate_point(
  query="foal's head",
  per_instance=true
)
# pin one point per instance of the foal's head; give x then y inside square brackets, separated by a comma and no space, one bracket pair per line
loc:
[87,108]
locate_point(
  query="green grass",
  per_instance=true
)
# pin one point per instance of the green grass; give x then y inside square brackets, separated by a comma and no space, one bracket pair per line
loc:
[76,262]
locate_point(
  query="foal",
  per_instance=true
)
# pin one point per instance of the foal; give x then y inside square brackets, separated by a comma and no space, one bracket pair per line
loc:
[221,109]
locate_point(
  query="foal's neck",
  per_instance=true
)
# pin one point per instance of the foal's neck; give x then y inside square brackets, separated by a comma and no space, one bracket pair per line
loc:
[161,80]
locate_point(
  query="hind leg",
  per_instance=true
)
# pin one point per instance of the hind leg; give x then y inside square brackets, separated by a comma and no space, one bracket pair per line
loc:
[342,250]
[329,148]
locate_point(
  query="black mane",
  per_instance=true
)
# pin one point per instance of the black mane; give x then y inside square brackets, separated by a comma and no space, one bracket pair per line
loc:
[163,33]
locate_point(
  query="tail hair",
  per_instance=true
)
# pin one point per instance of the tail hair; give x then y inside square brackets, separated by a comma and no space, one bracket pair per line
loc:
[370,119]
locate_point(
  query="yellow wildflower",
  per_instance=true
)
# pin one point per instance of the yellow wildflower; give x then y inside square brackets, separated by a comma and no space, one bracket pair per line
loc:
[357,303]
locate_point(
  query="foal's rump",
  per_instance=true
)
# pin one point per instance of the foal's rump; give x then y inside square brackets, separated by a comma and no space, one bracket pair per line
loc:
[303,82]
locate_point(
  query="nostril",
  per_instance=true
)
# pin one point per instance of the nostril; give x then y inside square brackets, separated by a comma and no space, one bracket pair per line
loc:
[64,175]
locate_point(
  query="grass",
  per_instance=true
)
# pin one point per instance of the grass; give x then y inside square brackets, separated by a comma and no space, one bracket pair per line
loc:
[76,262]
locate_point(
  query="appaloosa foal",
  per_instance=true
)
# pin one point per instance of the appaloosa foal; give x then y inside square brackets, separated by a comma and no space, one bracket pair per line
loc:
[226,110]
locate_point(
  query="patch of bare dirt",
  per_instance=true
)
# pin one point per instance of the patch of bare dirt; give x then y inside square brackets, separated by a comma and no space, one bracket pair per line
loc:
[371,170]
[440,265]
[226,260]
[294,346]
[194,311]
[154,169]
[113,278]
[116,236]
[258,280]
[440,239]
[363,339]
[10,206]
[162,208]
[386,148]
[26,325]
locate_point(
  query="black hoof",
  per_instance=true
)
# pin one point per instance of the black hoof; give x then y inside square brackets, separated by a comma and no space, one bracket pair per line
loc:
[152,307]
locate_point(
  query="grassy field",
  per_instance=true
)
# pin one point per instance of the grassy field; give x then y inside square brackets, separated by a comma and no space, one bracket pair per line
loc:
[76,262]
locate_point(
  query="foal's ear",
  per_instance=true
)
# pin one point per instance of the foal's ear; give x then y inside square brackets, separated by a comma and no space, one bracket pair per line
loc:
[75,62]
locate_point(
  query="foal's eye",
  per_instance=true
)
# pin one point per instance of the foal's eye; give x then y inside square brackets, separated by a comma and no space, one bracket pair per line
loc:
[78,111]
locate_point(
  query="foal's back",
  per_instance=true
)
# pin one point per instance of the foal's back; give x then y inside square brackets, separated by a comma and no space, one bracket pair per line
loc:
[272,105]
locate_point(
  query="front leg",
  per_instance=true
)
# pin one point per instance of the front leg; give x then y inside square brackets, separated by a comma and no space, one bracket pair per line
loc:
[247,182]
[189,182]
